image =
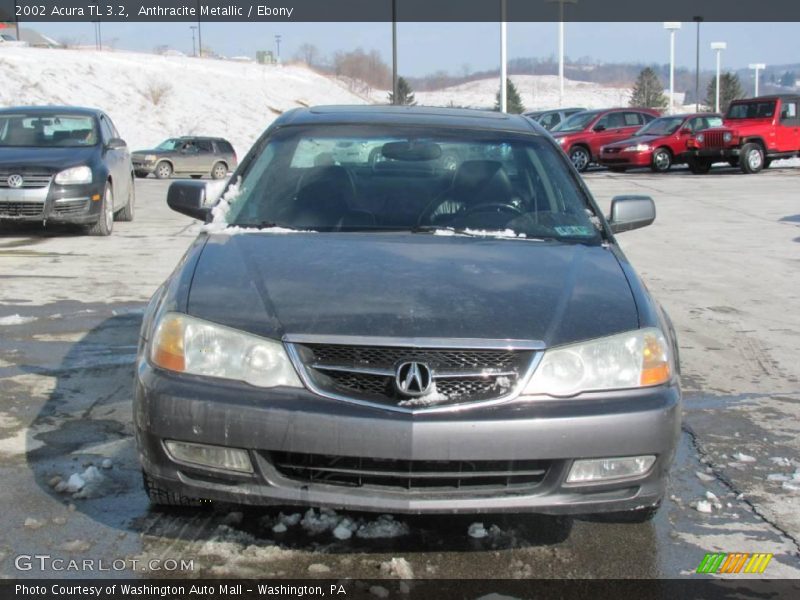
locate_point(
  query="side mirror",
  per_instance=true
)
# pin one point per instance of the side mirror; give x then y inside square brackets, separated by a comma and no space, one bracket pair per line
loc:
[116,143]
[189,198]
[599,128]
[631,212]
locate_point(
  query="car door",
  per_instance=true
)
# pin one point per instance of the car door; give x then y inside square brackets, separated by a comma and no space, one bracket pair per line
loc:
[608,129]
[116,159]
[205,156]
[788,130]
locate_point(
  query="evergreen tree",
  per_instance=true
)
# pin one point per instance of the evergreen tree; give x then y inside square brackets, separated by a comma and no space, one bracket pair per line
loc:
[648,91]
[405,95]
[729,89]
[788,79]
[513,100]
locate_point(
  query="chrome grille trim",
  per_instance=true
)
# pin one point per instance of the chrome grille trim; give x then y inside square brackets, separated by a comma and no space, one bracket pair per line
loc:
[30,179]
[380,378]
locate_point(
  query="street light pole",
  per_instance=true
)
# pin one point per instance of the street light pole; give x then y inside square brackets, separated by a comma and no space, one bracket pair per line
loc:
[194,48]
[561,47]
[719,47]
[395,96]
[757,67]
[672,27]
[697,20]
[503,58]
[278,49]
[199,32]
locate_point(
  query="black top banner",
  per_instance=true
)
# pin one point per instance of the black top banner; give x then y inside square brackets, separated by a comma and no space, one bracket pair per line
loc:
[399,10]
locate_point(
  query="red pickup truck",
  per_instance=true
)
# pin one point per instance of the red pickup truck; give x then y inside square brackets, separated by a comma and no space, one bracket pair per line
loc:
[755,132]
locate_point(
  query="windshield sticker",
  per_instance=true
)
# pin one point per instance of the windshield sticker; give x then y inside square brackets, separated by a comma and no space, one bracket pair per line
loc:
[573,230]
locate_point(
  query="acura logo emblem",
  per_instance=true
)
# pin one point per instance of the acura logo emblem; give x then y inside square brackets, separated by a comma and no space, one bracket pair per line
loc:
[14,181]
[413,379]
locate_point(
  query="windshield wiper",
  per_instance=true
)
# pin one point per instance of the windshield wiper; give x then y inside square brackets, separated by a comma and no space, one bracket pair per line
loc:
[506,233]
[262,225]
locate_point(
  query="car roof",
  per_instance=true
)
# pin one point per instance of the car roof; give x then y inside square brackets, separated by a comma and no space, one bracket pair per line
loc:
[73,110]
[770,97]
[200,137]
[409,115]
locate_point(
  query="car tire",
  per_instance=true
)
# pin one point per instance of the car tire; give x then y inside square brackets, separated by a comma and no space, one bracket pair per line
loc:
[163,170]
[160,496]
[219,171]
[141,174]
[580,158]
[699,166]
[127,212]
[105,224]
[661,161]
[751,159]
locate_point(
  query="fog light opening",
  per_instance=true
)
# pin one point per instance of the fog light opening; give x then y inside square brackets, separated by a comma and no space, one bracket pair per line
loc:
[206,455]
[607,469]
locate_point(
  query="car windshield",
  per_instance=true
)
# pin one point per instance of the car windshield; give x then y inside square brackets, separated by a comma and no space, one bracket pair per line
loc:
[170,144]
[752,110]
[445,182]
[47,130]
[662,126]
[576,122]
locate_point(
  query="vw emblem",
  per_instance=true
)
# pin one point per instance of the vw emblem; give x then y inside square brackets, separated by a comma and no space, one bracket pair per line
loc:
[413,379]
[14,181]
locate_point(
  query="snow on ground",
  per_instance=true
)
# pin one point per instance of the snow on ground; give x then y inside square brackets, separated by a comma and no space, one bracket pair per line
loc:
[151,97]
[537,92]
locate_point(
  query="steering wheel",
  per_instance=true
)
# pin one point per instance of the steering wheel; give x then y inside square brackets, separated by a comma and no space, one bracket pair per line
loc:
[499,206]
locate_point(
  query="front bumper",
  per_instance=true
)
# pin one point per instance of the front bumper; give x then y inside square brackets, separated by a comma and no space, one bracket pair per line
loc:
[52,204]
[142,166]
[713,153]
[288,420]
[626,159]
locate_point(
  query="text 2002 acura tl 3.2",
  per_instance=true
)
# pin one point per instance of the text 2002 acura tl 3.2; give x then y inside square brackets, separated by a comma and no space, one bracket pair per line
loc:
[390,335]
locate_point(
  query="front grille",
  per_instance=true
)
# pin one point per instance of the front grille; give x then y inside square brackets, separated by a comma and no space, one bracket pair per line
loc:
[713,139]
[611,150]
[21,209]
[427,475]
[368,373]
[70,207]
[30,179]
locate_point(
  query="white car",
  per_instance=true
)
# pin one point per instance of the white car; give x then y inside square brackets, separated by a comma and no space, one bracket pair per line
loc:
[7,40]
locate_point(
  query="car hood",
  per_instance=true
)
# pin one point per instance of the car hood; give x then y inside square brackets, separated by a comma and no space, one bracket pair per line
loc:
[637,139]
[744,125]
[406,285]
[52,159]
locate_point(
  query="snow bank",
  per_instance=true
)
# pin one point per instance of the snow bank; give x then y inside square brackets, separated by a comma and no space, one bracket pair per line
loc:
[16,320]
[341,527]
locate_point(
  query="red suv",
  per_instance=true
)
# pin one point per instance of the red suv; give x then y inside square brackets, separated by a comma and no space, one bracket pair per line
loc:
[659,144]
[756,131]
[582,135]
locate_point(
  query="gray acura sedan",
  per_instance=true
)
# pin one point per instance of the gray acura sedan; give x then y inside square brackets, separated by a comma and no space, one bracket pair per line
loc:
[373,331]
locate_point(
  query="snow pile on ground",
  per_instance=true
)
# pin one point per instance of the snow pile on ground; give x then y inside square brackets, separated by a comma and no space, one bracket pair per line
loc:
[151,97]
[537,92]
[16,320]
[86,484]
[398,567]
[341,527]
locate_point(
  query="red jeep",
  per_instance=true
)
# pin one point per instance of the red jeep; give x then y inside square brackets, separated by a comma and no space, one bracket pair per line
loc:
[583,134]
[755,132]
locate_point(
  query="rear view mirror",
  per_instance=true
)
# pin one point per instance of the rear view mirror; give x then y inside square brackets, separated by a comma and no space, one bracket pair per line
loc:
[115,143]
[411,151]
[599,128]
[631,212]
[189,198]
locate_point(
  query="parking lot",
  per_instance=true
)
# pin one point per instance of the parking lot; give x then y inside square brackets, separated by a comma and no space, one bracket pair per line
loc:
[722,256]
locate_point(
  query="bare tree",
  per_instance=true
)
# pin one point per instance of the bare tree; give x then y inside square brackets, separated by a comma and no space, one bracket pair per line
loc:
[308,53]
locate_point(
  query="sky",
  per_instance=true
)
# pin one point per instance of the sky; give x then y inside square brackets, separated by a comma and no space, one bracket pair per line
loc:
[424,48]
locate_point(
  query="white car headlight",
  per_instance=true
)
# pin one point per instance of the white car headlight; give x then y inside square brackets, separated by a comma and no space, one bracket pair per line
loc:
[187,345]
[74,176]
[561,140]
[637,148]
[633,359]
[700,137]
[727,136]
[150,158]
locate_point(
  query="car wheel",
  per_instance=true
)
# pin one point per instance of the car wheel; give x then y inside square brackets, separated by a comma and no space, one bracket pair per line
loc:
[140,174]
[127,212]
[219,170]
[580,158]
[752,158]
[160,496]
[105,224]
[163,170]
[662,160]
[700,166]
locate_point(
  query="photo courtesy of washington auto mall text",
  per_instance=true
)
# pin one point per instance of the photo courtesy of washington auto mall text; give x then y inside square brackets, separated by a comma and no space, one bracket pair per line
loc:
[442,300]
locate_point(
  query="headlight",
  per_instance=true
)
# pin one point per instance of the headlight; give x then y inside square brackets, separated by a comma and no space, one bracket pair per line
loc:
[727,136]
[74,176]
[561,140]
[634,359]
[149,158]
[187,345]
[637,148]
[700,137]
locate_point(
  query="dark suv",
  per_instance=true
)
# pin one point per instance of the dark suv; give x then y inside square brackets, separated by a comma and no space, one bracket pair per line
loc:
[194,156]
